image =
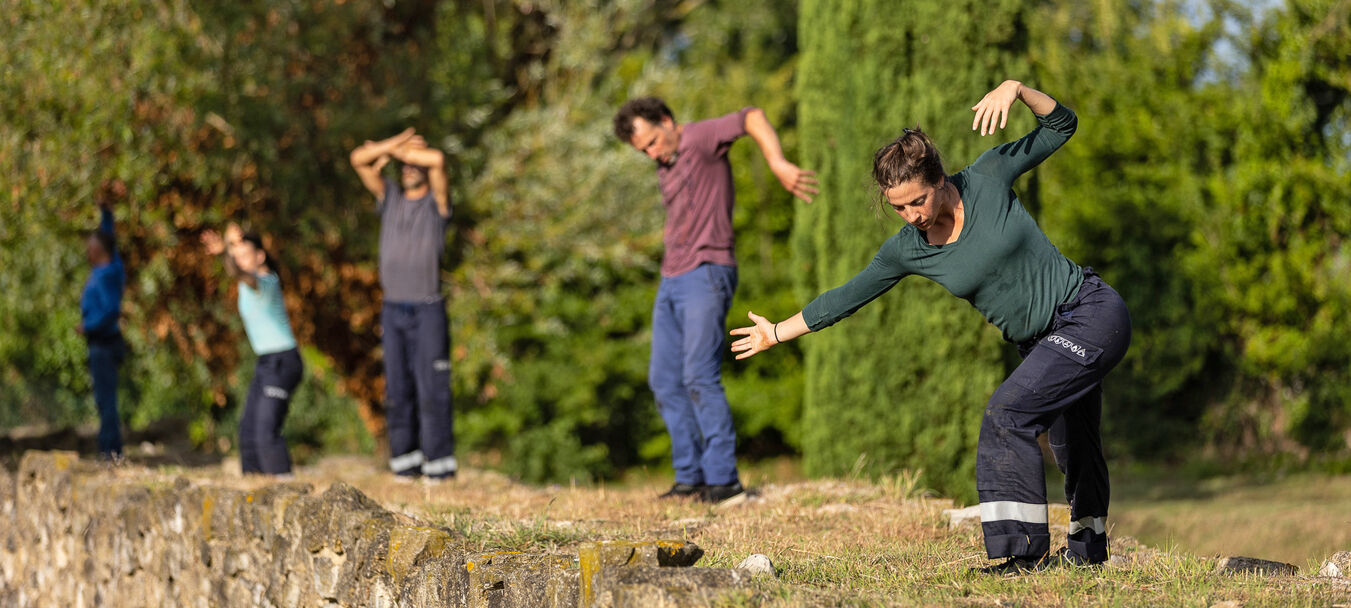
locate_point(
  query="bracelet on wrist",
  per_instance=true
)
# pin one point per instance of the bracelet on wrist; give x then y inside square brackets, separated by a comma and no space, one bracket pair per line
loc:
[776,334]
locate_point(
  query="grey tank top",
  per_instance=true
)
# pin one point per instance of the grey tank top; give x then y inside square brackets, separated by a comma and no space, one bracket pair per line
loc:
[412,239]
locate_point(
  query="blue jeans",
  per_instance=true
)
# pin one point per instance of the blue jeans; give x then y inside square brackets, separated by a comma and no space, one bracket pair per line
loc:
[105,356]
[689,322]
[1056,389]
[420,418]
[262,449]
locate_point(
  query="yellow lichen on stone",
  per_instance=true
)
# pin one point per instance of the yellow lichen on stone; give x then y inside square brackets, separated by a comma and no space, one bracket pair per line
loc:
[63,460]
[409,543]
[589,563]
[207,506]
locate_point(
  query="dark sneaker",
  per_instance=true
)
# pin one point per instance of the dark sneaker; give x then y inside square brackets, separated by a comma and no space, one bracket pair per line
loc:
[1018,564]
[716,494]
[683,490]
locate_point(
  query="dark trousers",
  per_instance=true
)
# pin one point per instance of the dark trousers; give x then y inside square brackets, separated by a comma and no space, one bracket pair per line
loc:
[689,334]
[419,414]
[1058,387]
[262,449]
[105,357]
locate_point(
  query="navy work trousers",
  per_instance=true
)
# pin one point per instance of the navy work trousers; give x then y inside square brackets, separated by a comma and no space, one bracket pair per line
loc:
[689,322]
[105,357]
[262,449]
[419,414]
[1057,388]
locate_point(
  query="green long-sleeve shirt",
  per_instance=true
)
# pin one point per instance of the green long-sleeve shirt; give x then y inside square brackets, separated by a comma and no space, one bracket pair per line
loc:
[1002,263]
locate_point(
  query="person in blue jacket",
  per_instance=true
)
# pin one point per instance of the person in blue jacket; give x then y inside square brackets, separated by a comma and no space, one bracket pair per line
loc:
[262,449]
[100,310]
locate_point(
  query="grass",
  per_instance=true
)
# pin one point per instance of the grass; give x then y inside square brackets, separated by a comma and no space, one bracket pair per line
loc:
[835,542]
[1299,519]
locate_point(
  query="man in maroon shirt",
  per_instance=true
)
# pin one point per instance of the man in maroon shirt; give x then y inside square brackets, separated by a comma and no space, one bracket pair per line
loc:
[699,276]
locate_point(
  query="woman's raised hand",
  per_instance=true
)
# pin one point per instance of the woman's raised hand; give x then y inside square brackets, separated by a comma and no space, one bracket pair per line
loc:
[233,234]
[212,242]
[992,112]
[759,337]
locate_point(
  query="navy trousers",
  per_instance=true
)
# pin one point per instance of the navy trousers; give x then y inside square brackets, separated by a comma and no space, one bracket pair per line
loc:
[419,414]
[1057,388]
[105,357]
[262,449]
[689,330]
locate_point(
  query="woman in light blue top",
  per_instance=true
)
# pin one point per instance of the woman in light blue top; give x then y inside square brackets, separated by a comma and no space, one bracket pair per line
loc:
[261,446]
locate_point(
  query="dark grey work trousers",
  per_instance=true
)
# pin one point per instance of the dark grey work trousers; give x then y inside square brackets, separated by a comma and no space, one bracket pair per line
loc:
[1057,388]
[262,448]
[417,388]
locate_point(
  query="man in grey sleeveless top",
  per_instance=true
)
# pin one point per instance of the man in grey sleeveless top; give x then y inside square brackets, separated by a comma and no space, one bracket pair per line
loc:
[414,214]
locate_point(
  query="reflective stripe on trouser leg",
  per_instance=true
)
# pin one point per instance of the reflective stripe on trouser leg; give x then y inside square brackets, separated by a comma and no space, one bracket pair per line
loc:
[440,467]
[407,462]
[1016,511]
[1095,524]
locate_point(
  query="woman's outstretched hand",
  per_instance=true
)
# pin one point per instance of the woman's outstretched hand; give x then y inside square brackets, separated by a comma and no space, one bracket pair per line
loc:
[759,337]
[993,110]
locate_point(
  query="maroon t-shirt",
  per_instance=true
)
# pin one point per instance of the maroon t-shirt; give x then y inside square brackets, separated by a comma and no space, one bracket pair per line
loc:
[697,191]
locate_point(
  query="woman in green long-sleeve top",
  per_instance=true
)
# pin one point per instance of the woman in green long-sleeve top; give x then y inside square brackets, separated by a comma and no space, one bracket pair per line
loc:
[969,233]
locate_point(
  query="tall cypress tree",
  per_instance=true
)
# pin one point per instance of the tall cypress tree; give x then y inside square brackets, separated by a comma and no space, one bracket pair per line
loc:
[901,384]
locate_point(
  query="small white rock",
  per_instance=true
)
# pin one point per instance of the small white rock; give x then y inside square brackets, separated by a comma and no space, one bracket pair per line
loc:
[962,517]
[1338,565]
[758,564]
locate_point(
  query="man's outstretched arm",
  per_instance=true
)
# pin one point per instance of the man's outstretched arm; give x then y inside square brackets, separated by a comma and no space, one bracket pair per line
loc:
[800,182]
[370,157]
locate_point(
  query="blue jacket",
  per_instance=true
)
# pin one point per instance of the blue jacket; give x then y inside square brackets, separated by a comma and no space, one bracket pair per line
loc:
[101,302]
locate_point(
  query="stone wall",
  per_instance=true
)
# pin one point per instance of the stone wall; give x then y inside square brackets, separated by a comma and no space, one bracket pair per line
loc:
[77,535]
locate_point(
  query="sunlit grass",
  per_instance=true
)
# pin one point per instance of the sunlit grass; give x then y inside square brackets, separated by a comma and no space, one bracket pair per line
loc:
[835,543]
[1299,519]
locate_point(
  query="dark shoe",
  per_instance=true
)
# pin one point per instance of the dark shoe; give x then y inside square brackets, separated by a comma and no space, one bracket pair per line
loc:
[716,494]
[1064,558]
[1018,564]
[432,480]
[683,490]
[111,460]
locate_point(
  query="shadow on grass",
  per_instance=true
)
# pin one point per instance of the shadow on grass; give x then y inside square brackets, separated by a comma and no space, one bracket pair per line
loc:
[162,443]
